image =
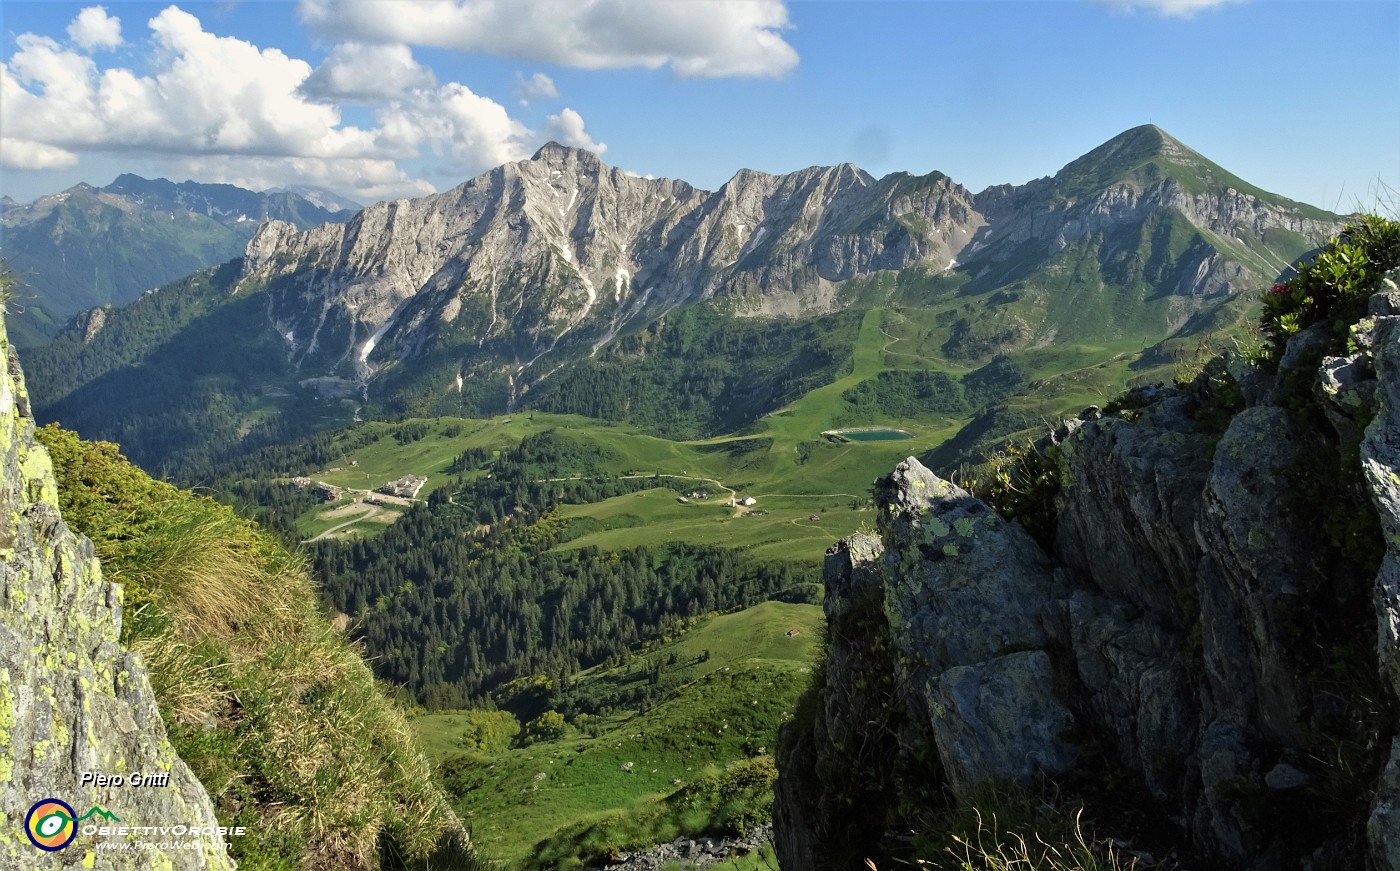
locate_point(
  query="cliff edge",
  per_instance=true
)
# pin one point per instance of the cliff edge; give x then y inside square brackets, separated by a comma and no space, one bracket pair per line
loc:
[1194,636]
[79,726]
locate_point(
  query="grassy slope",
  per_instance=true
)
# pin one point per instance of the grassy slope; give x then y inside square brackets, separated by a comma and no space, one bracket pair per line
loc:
[766,461]
[725,710]
[275,712]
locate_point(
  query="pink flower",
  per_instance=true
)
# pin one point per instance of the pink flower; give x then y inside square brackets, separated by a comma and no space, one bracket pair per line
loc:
[1280,288]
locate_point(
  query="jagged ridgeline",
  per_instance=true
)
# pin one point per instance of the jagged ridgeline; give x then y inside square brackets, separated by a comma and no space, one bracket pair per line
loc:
[1182,652]
[561,284]
[201,634]
[89,247]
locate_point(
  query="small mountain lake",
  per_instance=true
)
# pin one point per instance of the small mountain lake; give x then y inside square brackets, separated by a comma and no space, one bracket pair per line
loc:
[868,434]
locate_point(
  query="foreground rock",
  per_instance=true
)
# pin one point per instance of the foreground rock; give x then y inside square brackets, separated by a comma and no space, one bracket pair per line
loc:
[72,701]
[1192,647]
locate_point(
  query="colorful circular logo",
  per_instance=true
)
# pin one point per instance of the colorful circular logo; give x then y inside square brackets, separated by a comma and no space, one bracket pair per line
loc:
[50,824]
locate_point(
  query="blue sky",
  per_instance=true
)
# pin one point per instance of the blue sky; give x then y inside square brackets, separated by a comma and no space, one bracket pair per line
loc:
[383,98]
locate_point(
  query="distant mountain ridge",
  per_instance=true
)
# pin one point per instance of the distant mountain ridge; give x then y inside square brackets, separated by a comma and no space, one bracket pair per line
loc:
[519,269]
[562,284]
[90,246]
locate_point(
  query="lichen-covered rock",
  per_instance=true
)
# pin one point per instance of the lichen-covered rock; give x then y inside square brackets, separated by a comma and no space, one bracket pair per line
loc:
[1380,461]
[73,703]
[967,598]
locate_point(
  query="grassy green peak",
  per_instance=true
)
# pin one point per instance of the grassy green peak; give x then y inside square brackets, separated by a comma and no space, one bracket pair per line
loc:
[1142,153]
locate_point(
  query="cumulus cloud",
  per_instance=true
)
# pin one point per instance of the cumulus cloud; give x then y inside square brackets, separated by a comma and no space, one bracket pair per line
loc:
[703,38]
[367,73]
[28,154]
[567,129]
[208,94]
[452,120]
[224,109]
[1170,8]
[535,88]
[94,28]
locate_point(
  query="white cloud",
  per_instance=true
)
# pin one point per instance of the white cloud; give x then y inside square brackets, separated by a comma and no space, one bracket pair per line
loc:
[705,38]
[475,131]
[535,88]
[94,28]
[221,108]
[366,180]
[27,154]
[567,129]
[367,73]
[208,94]
[1170,8]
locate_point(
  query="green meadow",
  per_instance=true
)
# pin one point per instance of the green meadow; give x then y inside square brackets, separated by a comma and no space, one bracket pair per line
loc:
[781,460]
[730,681]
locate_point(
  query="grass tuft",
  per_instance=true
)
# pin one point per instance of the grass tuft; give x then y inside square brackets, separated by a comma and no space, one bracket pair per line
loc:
[274,711]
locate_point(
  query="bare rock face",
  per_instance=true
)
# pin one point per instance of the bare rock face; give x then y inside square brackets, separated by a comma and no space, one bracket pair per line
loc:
[967,604]
[1205,611]
[72,701]
[1380,460]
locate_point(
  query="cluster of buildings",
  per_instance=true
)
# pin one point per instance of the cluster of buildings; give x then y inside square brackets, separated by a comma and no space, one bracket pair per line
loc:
[406,487]
[328,492]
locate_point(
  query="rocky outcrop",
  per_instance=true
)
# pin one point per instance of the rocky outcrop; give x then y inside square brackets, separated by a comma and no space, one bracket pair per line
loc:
[1198,626]
[697,853]
[1380,459]
[966,599]
[74,705]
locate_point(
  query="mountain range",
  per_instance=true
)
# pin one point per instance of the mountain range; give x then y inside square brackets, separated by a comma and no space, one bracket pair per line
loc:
[560,283]
[90,246]
[537,263]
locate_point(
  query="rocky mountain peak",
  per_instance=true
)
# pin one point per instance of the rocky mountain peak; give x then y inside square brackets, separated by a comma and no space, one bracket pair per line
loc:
[555,156]
[1123,158]
[557,254]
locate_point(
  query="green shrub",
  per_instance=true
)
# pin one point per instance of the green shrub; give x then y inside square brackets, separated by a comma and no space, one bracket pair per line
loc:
[548,726]
[1335,285]
[1021,483]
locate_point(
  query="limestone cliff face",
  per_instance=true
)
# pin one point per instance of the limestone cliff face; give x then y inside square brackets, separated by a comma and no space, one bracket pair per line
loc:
[561,253]
[71,699]
[1200,624]
[516,272]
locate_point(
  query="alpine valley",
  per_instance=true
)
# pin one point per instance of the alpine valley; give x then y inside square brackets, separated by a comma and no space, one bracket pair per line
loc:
[560,450]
